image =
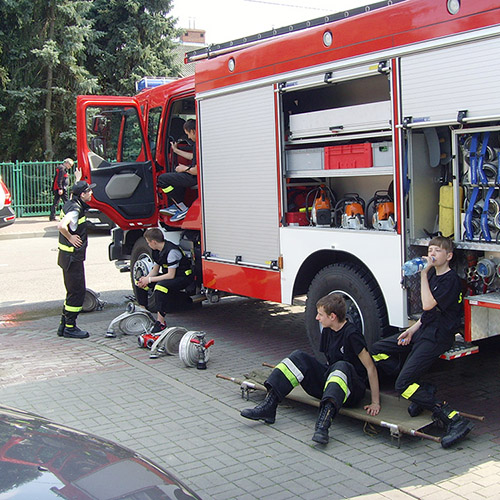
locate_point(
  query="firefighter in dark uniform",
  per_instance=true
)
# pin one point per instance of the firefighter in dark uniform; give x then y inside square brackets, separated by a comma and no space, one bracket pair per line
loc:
[174,184]
[170,275]
[339,382]
[60,186]
[72,249]
[426,340]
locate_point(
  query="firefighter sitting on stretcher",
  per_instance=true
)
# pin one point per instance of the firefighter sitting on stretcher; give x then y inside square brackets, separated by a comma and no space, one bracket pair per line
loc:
[422,343]
[340,382]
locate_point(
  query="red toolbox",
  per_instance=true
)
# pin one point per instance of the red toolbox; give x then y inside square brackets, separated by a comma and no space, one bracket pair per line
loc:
[349,156]
[296,219]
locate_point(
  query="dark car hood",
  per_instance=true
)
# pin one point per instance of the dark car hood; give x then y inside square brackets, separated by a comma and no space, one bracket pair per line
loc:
[43,460]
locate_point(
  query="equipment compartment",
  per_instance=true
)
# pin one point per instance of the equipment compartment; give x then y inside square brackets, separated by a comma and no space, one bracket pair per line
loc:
[346,115]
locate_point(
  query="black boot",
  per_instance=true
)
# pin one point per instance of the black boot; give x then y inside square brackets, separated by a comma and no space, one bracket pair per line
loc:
[326,413]
[264,411]
[414,409]
[457,427]
[62,324]
[73,332]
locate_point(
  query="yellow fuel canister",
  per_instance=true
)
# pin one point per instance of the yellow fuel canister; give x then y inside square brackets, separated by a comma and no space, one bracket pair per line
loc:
[446,208]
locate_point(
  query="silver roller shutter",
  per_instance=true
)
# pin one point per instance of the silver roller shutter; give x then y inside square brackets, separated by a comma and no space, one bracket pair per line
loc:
[436,85]
[239,176]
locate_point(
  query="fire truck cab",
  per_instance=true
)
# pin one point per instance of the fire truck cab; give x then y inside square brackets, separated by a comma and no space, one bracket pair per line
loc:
[328,153]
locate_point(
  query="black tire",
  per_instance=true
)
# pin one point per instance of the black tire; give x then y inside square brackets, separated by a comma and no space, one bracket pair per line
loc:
[139,251]
[365,304]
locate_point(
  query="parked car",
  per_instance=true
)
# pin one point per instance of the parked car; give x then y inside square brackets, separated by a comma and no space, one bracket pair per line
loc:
[41,459]
[7,215]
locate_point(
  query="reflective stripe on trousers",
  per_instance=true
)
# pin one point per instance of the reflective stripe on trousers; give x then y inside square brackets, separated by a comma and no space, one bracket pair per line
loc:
[290,371]
[339,378]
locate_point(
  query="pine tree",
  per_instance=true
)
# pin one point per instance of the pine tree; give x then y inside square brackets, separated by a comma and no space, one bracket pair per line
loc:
[134,40]
[43,52]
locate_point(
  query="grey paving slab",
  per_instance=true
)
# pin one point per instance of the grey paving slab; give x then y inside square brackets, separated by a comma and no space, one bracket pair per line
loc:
[188,420]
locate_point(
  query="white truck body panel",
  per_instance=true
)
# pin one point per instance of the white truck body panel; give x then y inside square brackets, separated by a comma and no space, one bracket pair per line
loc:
[380,251]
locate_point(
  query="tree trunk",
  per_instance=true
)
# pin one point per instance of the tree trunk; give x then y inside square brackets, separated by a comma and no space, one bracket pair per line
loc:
[49,149]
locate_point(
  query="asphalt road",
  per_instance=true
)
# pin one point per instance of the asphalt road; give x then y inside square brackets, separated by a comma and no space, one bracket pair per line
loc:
[31,280]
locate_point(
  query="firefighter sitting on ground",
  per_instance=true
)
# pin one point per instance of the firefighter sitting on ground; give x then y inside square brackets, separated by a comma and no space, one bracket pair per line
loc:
[427,339]
[170,275]
[339,382]
[174,184]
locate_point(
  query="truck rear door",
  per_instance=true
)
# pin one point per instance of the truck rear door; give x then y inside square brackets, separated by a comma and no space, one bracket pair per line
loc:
[113,154]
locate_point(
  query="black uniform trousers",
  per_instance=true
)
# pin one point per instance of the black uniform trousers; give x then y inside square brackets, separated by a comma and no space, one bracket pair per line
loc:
[174,184]
[338,382]
[425,347]
[74,281]
[57,199]
[166,293]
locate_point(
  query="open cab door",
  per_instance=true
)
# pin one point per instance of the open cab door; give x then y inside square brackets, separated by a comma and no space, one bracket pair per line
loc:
[113,154]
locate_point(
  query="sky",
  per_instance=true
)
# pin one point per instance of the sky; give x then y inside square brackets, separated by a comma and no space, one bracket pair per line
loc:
[225,20]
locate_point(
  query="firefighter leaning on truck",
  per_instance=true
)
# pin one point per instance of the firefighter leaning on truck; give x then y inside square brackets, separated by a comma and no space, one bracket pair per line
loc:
[72,250]
[426,340]
[170,275]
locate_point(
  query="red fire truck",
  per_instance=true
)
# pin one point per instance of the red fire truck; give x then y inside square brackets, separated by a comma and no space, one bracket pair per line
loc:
[328,153]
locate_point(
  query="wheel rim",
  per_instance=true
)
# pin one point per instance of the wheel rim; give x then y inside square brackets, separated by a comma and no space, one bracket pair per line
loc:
[353,312]
[142,266]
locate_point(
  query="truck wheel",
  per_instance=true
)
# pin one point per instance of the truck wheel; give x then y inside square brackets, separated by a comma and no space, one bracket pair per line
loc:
[365,303]
[141,263]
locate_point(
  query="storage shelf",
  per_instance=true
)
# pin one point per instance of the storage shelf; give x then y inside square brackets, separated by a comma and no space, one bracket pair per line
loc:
[463,245]
[345,172]
[341,138]
[485,300]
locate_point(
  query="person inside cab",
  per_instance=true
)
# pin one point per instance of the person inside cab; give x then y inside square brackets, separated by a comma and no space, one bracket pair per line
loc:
[174,184]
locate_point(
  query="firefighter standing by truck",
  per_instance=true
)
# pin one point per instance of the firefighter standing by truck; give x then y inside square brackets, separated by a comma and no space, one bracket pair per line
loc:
[60,186]
[427,339]
[72,250]
[170,275]
[340,382]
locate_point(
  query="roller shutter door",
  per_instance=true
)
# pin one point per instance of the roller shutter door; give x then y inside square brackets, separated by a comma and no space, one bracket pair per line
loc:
[436,85]
[239,176]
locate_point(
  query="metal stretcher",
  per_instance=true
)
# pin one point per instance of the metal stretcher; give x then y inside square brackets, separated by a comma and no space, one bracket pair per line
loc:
[393,414]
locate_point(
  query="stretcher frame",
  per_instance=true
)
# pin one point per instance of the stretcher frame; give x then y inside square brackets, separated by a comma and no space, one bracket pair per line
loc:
[393,414]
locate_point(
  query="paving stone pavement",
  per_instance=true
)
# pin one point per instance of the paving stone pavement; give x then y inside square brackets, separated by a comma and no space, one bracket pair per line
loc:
[187,420]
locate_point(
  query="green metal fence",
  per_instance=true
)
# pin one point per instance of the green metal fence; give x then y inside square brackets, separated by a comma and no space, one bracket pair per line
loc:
[30,184]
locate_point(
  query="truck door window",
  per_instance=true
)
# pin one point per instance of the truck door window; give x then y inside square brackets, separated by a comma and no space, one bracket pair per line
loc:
[153,126]
[114,134]
[180,111]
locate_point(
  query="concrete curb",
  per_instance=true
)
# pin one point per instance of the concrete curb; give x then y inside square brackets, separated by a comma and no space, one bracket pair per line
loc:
[29,227]
[34,234]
